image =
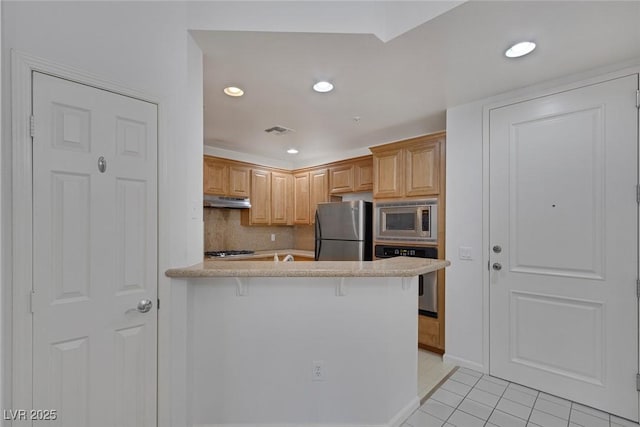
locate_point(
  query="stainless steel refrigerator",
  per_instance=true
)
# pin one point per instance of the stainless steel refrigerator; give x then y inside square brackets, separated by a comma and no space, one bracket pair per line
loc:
[344,231]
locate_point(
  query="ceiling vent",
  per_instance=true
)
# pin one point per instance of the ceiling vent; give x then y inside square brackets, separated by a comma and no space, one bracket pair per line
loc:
[279,130]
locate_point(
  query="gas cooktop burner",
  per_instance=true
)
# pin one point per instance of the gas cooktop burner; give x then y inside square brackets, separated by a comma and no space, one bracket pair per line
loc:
[220,254]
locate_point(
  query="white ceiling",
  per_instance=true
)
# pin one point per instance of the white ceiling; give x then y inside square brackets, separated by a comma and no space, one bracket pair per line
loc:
[402,87]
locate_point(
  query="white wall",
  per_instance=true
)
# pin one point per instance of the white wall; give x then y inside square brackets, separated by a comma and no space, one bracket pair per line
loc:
[464,301]
[144,46]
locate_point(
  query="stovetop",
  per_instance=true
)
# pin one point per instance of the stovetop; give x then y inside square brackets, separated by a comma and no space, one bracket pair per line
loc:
[220,254]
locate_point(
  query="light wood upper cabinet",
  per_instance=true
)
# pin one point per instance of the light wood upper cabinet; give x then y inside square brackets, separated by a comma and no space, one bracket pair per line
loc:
[422,169]
[350,176]
[363,175]
[239,181]
[341,179]
[260,212]
[225,178]
[310,188]
[216,177]
[301,198]
[281,198]
[318,190]
[408,168]
[388,173]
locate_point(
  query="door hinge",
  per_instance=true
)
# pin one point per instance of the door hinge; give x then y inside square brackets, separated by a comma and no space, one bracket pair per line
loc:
[32,126]
[638,194]
[638,288]
[638,99]
[158,305]
[638,382]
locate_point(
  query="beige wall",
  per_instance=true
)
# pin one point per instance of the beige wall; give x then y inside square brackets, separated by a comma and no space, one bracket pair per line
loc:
[222,230]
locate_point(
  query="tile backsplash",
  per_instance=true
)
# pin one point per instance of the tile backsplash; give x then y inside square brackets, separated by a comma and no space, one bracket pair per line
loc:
[304,237]
[223,230]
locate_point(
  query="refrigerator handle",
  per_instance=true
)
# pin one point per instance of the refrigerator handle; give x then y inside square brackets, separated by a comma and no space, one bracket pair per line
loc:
[318,238]
[318,247]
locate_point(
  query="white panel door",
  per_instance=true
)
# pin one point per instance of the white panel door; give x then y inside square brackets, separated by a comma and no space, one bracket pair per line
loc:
[563,306]
[94,256]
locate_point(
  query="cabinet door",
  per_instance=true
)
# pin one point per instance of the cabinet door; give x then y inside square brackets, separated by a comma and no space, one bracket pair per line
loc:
[388,173]
[422,169]
[216,177]
[428,331]
[341,179]
[281,197]
[260,211]
[301,198]
[239,181]
[363,175]
[318,190]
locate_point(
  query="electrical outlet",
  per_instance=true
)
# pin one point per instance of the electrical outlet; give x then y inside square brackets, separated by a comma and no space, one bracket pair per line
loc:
[273,237]
[318,373]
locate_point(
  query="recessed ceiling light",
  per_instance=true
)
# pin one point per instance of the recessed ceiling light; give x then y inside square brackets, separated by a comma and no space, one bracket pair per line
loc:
[233,91]
[520,49]
[292,151]
[323,87]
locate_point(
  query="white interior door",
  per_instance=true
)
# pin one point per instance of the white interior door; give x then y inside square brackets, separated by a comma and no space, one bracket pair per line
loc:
[563,307]
[94,256]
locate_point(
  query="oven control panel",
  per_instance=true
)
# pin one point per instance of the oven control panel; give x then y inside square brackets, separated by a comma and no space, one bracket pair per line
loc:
[384,251]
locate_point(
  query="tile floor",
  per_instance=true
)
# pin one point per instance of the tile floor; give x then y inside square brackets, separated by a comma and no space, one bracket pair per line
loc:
[469,399]
[431,370]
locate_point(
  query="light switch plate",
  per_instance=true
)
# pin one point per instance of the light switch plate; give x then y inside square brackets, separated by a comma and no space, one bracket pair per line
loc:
[465,253]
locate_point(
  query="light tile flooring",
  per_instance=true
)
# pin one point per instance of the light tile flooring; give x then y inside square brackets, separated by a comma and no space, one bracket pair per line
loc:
[431,370]
[471,399]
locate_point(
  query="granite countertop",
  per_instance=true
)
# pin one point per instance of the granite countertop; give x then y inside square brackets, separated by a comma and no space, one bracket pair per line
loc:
[390,267]
[268,253]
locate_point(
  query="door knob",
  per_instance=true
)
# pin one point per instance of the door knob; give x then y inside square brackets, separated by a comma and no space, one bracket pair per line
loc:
[144,306]
[497,266]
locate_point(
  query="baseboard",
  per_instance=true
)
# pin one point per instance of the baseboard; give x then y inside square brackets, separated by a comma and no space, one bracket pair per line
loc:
[464,363]
[396,421]
[404,413]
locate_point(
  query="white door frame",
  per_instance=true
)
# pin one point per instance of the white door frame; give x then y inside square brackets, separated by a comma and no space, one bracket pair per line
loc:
[549,88]
[22,66]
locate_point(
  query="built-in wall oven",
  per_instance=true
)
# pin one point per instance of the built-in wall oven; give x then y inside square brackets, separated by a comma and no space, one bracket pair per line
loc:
[407,220]
[427,283]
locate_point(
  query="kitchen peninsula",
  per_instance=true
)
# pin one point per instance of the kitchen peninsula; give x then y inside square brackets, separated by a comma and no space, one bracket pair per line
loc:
[301,343]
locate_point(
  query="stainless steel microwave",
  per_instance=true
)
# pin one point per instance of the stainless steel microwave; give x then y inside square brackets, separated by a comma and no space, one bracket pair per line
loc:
[407,220]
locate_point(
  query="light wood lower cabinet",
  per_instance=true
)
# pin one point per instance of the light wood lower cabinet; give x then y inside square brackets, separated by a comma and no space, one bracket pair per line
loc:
[428,331]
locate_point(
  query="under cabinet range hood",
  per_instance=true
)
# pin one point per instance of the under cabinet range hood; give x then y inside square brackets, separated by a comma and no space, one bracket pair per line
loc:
[226,202]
